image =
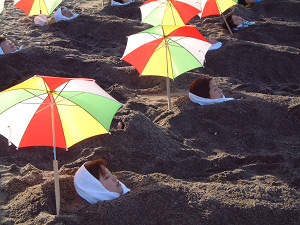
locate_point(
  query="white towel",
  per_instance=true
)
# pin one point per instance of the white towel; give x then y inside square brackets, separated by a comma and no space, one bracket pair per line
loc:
[113,3]
[2,53]
[58,16]
[91,189]
[207,101]
[215,46]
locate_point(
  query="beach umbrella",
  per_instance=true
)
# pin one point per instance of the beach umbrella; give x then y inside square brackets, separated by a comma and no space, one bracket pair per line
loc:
[166,50]
[169,12]
[1,5]
[36,7]
[56,112]
[216,7]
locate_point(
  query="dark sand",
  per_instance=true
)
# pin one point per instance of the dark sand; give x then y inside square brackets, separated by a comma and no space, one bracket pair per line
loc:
[232,163]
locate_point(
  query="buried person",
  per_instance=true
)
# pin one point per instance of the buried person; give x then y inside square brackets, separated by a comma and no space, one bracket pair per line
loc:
[121,2]
[94,182]
[204,91]
[64,14]
[236,22]
[7,47]
[248,3]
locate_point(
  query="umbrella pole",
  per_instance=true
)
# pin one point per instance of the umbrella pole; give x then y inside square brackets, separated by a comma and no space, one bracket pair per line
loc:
[55,165]
[56,186]
[227,25]
[168,92]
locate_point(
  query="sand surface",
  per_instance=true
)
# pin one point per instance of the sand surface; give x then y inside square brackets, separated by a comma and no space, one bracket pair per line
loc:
[232,163]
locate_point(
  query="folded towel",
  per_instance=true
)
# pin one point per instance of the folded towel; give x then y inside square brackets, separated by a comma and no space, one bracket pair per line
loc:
[242,25]
[215,46]
[207,101]
[58,16]
[91,189]
[114,3]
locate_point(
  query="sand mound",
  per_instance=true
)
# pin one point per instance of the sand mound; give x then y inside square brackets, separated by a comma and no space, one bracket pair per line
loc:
[232,163]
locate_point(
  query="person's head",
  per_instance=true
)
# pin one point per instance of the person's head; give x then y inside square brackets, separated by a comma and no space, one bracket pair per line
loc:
[205,88]
[98,168]
[246,2]
[233,21]
[6,46]
[66,12]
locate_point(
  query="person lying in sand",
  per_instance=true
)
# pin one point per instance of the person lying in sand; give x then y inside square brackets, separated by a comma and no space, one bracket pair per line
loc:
[7,47]
[64,14]
[236,22]
[121,2]
[204,91]
[248,3]
[94,182]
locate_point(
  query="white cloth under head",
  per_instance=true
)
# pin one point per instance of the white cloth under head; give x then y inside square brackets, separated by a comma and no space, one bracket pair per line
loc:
[207,101]
[58,16]
[2,53]
[91,189]
[113,3]
[215,46]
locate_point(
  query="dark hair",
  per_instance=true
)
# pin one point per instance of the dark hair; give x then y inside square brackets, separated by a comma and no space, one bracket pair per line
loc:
[230,23]
[121,1]
[2,39]
[200,87]
[242,2]
[95,167]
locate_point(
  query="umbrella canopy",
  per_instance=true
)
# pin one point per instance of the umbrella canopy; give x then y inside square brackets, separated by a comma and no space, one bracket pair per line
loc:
[215,7]
[166,51]
[78,109]
[36,7]
[169,12]
[55,111]
[1,5]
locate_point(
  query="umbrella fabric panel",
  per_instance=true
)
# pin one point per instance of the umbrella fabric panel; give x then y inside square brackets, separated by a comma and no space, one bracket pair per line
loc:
[160,12]
[52,82]
[137,40]
[197,48]
[78,86]
[13,123]
[100,108]
[1,5]
[39,130]
[77,124]
[51,5]
[10,98]
[182,59]
[140,56]
[215,7]
[36,7]
[159,63]
[172,12]
[33,83]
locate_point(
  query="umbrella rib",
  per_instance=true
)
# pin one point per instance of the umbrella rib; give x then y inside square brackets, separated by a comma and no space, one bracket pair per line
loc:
[34,94]
[61,90]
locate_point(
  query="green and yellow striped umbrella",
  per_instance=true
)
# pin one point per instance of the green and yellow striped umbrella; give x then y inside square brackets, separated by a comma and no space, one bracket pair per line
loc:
[36,7]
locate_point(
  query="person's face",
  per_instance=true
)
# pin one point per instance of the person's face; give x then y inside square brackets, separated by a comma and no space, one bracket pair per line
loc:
[110,182]
[7,47]
[66,13]
[237,20]
[214,91]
